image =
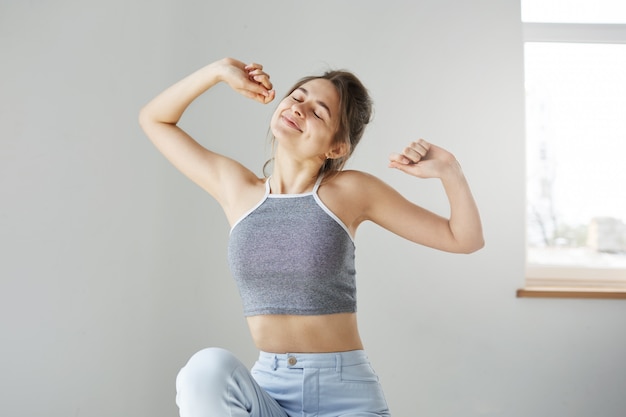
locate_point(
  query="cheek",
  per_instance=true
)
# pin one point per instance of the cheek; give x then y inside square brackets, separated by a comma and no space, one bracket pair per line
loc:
[274,119]
[332,132]
[276,127]
[273,129]
[278,111]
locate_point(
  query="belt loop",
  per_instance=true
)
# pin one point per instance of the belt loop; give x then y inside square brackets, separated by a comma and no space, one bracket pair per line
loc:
[338,363]
[275,364]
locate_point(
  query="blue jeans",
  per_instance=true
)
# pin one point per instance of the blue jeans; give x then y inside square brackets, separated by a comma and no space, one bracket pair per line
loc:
[342,384]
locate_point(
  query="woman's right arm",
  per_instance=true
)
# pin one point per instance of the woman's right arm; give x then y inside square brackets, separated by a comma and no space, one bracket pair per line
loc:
[159,120]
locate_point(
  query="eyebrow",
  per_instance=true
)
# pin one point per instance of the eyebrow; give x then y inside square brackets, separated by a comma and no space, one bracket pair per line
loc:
[321,103]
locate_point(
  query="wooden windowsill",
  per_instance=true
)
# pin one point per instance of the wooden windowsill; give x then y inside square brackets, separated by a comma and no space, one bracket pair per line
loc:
[543,281]
[548,292]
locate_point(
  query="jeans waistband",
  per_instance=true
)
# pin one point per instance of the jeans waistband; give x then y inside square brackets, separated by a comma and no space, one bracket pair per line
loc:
[312,360]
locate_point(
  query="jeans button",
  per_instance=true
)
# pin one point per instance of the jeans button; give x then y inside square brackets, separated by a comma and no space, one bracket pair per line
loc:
[292,360]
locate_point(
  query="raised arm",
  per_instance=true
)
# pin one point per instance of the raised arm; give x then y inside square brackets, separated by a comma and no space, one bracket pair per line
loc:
[460,233]
[159,120]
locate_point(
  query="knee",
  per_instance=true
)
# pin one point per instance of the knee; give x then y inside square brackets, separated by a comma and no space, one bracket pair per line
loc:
[213,356]
[204,381]
[208,367]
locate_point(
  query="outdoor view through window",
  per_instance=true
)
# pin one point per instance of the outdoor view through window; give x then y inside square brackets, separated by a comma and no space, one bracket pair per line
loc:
[576,144]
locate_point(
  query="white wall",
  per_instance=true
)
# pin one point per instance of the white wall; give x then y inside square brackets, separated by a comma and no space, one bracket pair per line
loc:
[113,270]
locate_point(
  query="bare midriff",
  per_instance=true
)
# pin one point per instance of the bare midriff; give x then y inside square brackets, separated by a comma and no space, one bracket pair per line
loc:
[305,334]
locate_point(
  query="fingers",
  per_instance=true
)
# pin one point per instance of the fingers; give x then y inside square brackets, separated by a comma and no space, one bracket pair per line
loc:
[396,158]
[412,154]
[256,73]
[263,97]
[266,97]
[263,89]
[260,77]
[252,66]
[416,151]
[424,160]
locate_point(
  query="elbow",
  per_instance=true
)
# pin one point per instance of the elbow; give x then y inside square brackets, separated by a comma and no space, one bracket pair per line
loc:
[143,118]
[147,122]
[474,246]
[149,119]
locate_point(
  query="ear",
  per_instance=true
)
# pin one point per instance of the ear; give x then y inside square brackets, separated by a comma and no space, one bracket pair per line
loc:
[337,151]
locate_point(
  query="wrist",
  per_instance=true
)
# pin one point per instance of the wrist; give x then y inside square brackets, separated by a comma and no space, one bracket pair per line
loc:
[214,72]
[452,171]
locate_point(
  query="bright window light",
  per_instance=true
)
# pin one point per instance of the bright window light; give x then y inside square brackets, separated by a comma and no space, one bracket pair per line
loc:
[576,154]
[574,11]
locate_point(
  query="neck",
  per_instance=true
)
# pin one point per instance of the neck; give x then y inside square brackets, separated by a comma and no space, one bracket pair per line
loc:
[302,183]
[292,178]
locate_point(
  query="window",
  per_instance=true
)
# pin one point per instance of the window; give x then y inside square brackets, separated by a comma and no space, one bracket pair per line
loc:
[575,81]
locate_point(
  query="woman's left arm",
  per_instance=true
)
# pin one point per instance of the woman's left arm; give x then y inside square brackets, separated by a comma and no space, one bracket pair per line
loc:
[461,233]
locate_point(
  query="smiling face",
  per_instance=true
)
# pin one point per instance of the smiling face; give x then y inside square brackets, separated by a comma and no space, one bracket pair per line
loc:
[322,119]
[306,121]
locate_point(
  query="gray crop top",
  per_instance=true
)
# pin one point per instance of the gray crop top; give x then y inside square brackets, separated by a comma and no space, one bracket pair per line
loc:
[291,255]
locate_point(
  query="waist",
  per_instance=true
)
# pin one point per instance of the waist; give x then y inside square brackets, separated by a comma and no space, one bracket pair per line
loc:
[308,334]
[312,360]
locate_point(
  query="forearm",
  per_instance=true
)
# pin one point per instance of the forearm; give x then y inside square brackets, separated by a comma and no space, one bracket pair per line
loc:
[168,106]
[465,224]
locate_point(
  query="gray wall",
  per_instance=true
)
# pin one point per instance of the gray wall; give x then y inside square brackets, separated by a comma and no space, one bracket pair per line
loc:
[113,268]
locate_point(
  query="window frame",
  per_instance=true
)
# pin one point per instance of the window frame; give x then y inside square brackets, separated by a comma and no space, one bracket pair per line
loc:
[573,282]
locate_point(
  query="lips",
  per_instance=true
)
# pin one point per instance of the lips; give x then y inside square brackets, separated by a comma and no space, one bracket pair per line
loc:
[291,123]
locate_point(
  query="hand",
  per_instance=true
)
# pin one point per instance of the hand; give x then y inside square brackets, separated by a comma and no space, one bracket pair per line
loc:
[423,160]
[249,80]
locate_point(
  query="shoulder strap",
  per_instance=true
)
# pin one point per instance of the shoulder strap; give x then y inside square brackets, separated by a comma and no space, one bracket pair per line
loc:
[267,185]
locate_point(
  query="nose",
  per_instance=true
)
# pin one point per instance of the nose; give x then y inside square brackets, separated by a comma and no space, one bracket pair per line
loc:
[297,109]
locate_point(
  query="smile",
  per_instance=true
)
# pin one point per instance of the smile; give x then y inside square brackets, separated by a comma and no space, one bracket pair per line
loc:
[291,123]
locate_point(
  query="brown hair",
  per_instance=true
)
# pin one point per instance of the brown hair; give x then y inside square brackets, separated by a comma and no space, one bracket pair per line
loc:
[355,107]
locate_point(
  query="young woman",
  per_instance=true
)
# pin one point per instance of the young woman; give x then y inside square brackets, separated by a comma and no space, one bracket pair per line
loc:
[291,248]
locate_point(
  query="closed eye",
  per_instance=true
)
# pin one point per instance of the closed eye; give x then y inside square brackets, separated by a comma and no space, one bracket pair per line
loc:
[298,100]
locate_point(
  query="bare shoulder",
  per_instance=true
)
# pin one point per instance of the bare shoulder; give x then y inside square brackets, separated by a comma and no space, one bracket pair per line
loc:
[350,179]
[359,184]
[351,195]
[345,184]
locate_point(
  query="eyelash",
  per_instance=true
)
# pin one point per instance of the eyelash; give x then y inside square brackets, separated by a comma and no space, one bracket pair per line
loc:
[300,101]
